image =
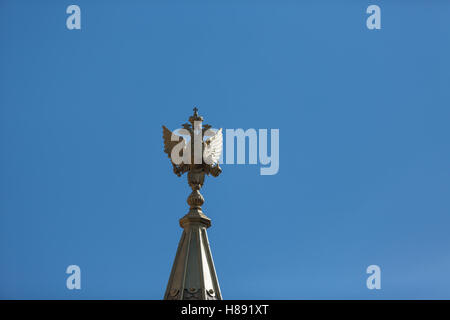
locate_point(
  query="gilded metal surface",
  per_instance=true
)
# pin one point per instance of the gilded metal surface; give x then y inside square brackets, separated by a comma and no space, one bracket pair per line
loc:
[193,275]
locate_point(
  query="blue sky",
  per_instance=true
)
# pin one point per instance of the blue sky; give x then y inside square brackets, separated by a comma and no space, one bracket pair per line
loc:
[364,146]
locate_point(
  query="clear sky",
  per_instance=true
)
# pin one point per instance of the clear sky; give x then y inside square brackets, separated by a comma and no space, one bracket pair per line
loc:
[364,146]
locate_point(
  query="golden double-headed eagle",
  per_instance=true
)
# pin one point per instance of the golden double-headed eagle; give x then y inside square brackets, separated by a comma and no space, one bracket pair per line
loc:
[181,150]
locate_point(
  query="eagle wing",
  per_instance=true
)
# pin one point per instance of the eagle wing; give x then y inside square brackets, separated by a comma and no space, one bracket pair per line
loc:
[170,141]
[213,148]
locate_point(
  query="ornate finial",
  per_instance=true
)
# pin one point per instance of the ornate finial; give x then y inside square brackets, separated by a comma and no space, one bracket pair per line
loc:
[196,157]
[208,164]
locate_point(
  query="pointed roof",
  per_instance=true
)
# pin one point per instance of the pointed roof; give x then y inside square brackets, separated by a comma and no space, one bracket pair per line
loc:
[193,275]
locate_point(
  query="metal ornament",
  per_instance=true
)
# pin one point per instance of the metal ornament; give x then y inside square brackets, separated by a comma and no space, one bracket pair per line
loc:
[193,275]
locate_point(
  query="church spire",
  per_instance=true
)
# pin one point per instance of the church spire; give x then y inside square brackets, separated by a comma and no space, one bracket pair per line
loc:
[193,275]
